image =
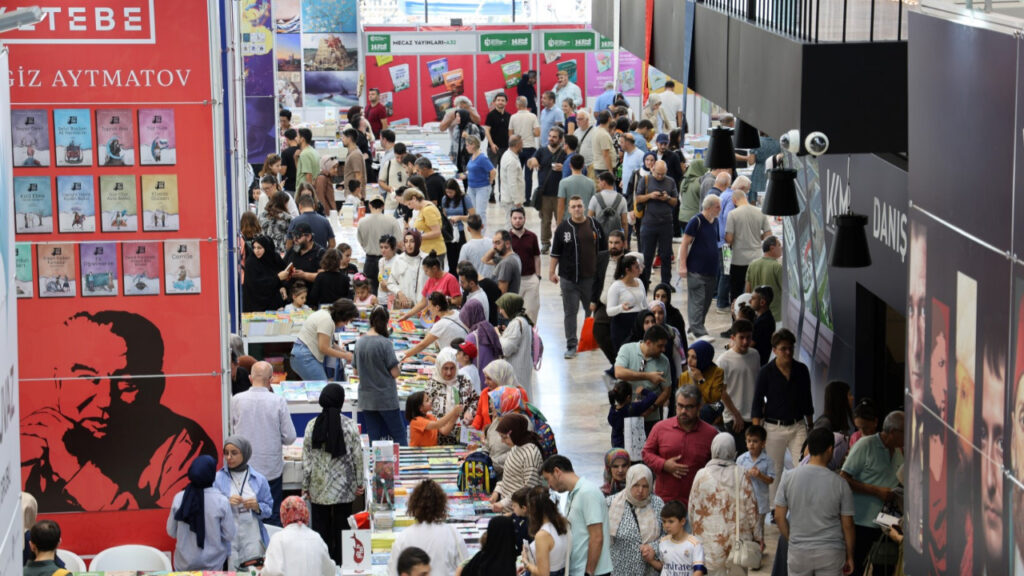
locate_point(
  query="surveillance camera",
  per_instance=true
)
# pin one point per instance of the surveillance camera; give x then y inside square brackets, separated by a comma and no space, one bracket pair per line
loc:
[816,143]
[790,141]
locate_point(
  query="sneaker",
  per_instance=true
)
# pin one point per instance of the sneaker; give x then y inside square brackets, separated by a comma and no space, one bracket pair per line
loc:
[707,338]
[657,262]
[569,354]
[725,310]
[545,249]
[726,334]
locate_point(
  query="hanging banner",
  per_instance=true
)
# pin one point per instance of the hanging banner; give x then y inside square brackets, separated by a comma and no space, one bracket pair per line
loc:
[420,43]
[120,386]
[506,42]
[568,41]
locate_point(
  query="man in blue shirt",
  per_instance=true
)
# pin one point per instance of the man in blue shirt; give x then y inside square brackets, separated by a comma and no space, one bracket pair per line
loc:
[604,101]
[550,115]
[698,263]
[588,518]
[571,147]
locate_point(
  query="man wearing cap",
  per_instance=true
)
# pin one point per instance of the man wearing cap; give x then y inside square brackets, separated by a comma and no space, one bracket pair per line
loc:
[371,229]
[304,254]
[671,158]
[355,166]
[323,233]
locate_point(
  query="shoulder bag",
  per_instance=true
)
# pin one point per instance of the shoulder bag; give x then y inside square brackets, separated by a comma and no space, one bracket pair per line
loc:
[744,553]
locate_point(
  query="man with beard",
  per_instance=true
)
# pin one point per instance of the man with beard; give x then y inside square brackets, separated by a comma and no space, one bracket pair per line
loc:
[548,162]
[991,437]
[376,112]
[107,443]
[304,256]
[527,247]
[508,268]
[577,242]
[605,275]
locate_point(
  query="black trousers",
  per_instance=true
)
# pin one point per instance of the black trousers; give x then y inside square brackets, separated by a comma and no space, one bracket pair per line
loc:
[371,269]
[328,521]
[866,536]
[603,333]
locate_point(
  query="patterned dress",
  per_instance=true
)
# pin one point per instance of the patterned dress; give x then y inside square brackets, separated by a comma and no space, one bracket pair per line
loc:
[712,513]
[276,228]
[332,480]
[626,543]
[443,398]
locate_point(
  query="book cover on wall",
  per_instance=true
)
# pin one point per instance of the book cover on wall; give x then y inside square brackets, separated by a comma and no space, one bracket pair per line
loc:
[455,81]
[56,270]
[570,67]
[627,80]
[181,267]
[550,57]
[442,102]
[384,60]
[656,79]
[491,94]
[72,135]
[388,100]
[604,60]
[400,77]
[115,137]
[30,137]
[33,205]
[76,204]
[23,269]
[119,205]
[99,268]
[495,57]
[156,137]
[140,263]
[159,202]
[437,69]
[513,73]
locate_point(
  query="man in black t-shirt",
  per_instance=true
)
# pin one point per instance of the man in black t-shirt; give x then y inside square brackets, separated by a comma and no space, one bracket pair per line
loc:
[573,265]
[496,128]
[288,159]
[305,254]
[435,182]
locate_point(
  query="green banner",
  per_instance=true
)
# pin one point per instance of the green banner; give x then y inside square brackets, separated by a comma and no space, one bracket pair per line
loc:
[378,43]
[568,41]
[507,42]
[606,43]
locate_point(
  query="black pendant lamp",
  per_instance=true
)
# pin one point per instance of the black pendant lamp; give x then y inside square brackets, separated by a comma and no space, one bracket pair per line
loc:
[850,249]
[746,136]
[780,197]
[721,153]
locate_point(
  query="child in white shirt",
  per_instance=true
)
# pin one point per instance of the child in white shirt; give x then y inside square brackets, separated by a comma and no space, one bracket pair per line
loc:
[679,553]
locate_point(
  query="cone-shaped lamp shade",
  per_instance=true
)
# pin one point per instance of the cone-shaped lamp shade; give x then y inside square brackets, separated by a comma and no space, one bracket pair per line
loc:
[746,136]
[780,197]
[721,153]
[850,249]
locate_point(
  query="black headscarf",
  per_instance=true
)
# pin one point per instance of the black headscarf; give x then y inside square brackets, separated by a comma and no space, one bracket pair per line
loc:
[327,432]
[673,317]
[637,335]
[498,556]
[192,511]
[261,289]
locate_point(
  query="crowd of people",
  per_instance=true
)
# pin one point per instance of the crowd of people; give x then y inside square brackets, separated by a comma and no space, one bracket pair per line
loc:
[614,191]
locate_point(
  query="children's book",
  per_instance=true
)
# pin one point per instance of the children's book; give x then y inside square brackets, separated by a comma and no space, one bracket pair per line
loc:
[72,133]
[159,202]
[30,138]
[140,263]
[115,137]
[119,211]
[56,270]
[181,267]
[33,205]
[76,204]
[99,268]
[156,137]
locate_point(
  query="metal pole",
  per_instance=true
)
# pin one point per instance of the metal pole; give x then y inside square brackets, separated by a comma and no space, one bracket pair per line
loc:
[616,39]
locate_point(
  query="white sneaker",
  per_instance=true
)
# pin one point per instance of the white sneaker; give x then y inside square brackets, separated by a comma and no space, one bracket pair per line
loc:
[707,338]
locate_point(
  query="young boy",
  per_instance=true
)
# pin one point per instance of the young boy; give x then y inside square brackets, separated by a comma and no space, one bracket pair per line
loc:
[679,553]
[760,468]
[44,539]
[465,356]
[413,562]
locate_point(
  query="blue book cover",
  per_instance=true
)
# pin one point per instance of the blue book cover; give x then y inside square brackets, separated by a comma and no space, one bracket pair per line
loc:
[72,134]
[76,204]
[33,205]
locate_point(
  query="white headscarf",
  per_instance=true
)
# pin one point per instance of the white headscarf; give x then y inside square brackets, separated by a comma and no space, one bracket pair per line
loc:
[647,520]
[723,450]
[502,372]
[446,356]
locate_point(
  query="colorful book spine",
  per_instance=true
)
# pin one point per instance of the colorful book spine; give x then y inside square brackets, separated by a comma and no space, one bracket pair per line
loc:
[181,267]
[33,205]
[115,137]
[119,210]
[159,202]
[156,137]
[72,134]
[140,263]
[99,268]
[30,137]
[76,204]
[56,264]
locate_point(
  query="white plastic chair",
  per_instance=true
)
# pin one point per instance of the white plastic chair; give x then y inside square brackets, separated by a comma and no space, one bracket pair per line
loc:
[72,562]
[130,557]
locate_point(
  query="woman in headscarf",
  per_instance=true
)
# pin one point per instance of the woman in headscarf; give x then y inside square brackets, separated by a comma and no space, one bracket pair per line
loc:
[517,338]
[675,348]
[407,278]
[702,372]
[644,320]
[657,115]
[263,266]
[616,464]
[248,492]
[276,219]
[634,519]
[713,506]
[201,520]
[296,550]
[497,374]
[447,388]
[481,333]
[630,191]
[332,467]
[502,401]
[673,317]
[497,556]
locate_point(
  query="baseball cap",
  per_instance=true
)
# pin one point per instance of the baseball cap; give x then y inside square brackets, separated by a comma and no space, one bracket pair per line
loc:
[300,229]
[469,349]
[662,138]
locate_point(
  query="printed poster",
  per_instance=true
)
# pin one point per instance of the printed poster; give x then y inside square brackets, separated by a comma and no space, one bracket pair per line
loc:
[140,263]
[159,202]
[30,138]
[570,67]
[99,268]
[437,69]
[76,204]
[328,16]
[72,133]
[33,205]
[156,137]
[287,16]
[288,52]
[119,210]
[387,99]
[442,102]
[56,270]
[23,270]
[181,266]
[400,77]
[513,73]
[454,81]
[115,137]
[356,551]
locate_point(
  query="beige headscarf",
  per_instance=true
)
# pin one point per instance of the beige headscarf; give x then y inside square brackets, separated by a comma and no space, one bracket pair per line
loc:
[650,526]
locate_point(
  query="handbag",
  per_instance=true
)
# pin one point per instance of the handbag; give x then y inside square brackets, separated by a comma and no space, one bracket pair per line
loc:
[744,553]
[587,341]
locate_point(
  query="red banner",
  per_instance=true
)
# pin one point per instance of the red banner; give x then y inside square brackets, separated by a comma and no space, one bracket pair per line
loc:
[119,335]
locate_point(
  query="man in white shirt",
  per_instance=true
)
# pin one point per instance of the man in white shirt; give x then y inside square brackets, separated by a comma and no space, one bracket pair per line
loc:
[564,89]
[474,249]
[672,104]
[511,181]
[262,417]
[585,136]
[740,366]
[525,125]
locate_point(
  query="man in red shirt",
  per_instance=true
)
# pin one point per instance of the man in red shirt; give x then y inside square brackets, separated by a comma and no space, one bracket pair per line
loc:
[678,447]
[525,245]
[376,113]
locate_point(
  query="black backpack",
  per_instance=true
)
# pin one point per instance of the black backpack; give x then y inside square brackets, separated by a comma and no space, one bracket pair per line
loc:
[608,216]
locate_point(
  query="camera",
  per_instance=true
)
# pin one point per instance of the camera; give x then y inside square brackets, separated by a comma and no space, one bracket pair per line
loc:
[790,141]
[816,143]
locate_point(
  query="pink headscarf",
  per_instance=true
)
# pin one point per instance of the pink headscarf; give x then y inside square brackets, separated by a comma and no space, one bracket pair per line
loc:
[294,509]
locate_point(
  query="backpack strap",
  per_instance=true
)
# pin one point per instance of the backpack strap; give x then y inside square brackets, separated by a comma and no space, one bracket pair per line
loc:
[600,200]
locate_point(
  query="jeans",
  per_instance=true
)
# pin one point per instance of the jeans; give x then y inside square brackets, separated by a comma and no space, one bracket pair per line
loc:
[524,155]
[700,291]
[328,520]
[277,493]
[574,294]
[723,283]
[779,439]
[529,289]
[548,212]
[452,251]
[305,364]
[480,198]
[657,237]
[371,269]
[385,425]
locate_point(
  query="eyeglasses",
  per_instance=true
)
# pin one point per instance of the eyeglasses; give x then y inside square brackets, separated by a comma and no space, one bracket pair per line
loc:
[687,407]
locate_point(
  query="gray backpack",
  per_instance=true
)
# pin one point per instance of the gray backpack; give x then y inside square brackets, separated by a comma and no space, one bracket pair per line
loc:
[608,216]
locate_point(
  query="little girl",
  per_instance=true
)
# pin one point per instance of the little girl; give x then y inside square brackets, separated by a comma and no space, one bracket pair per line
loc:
[364,298]
[298,303]
[465,355]
[623,406]
[423,425]
[521,517]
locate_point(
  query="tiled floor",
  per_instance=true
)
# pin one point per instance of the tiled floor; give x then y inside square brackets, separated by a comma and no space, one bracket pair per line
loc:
[572,393]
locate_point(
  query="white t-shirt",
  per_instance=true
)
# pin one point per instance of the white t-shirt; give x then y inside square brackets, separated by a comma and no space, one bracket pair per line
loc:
[470,372]
[448,328]
[319,322]
[440,541]
[681,558]
[671,103]
[481,297]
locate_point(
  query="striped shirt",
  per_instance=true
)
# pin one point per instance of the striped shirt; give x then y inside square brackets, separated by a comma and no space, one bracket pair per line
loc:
[522,470]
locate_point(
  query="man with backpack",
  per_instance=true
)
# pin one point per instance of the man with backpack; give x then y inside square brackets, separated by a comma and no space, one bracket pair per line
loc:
[575,185]
[608,207]
[658,195]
